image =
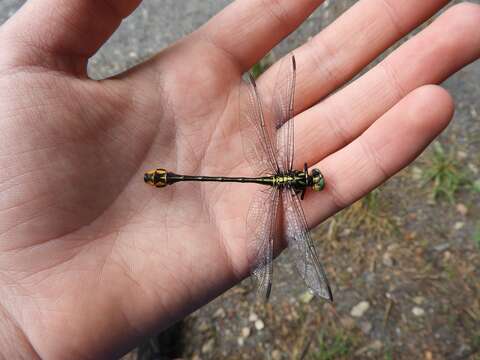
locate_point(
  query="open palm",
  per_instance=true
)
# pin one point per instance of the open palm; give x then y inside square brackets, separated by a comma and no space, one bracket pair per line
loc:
[92,259]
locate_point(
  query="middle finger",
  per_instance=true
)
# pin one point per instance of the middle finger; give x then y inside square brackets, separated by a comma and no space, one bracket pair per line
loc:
[449,43]
[356,38]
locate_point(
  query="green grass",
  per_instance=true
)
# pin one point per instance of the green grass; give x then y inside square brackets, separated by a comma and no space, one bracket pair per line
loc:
[476,186]
[372,201]
[388,355]
[476,235]
[475,344]
[339,346]
[444,174]
[450,271]
[260,67]
[368,215]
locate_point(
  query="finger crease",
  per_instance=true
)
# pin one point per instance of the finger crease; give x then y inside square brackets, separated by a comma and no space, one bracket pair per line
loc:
[337,198]
[389,9]
[373,155]
[321,63]
[207,39]
[393,79]
[277,11]
[339,132]
[113,6]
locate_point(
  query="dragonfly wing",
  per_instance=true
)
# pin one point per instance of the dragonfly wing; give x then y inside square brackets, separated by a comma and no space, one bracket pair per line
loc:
[256,133]
[283,112]
[262,231]
[301,245]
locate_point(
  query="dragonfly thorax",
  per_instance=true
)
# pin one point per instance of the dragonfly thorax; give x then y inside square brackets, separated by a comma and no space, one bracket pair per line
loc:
[300,180]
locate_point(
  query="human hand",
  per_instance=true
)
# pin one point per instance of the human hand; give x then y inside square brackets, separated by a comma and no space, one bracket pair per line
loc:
[92,259]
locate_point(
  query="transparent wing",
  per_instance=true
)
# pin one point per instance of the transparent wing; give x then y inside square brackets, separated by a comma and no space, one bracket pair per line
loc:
[262,231]
[301,246]
[283,112]
[256,133]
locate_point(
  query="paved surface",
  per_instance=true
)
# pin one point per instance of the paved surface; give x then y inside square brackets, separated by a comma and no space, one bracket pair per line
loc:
[157,23]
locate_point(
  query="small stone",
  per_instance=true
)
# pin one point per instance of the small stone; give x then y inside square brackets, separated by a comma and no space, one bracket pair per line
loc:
[276,355]
[306,297]
[462,352]
[473,168]
[418,311]
[360,309]
[458,225]
[411,235]
[447,255]
[348,323]
[253,317]
[366,327]
[245,332]
[462,209]
[376,345]
[240,341]
[239,290]
[428,355]
[346,232]
[259,325]
[473,112]
[417,173]
[387,259]
[462,155]
[419,300]
[392,247]
[220,313]
[203,326]
[208,346]
[441,247]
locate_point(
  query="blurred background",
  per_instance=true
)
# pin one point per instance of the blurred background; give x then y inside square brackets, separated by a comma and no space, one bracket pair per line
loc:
[403,261]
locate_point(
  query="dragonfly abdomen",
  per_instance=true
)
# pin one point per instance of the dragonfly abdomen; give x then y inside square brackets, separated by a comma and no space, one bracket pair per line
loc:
[297,180]
[162,177]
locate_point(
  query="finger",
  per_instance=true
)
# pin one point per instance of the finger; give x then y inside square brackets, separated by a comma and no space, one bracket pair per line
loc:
[390,144]
[246,30]
[62,33]
[447,45]
[345,47]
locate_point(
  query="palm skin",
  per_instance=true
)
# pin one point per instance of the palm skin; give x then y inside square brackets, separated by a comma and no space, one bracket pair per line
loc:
[86,216]
[92,259]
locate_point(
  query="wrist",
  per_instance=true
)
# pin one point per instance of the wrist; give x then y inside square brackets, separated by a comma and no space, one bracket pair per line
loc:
[14,344]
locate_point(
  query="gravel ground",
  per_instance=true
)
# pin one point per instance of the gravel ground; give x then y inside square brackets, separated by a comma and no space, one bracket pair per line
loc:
[404,265]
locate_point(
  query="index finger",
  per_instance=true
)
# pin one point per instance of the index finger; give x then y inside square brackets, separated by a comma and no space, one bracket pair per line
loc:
[246,30]
[62,33]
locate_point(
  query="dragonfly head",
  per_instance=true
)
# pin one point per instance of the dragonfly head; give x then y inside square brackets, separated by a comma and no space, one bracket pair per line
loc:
[318,181]
[156,177]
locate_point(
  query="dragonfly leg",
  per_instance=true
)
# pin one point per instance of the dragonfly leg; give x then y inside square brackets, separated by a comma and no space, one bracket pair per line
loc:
[303,194]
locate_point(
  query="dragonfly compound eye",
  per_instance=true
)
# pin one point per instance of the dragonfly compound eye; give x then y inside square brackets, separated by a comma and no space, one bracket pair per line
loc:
[318,182]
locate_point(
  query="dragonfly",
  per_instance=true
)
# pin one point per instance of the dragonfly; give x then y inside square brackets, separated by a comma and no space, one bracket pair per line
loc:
[275,213]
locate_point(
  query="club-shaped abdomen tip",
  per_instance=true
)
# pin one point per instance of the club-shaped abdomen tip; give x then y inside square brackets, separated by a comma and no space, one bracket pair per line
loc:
[156,177]
[149,177]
